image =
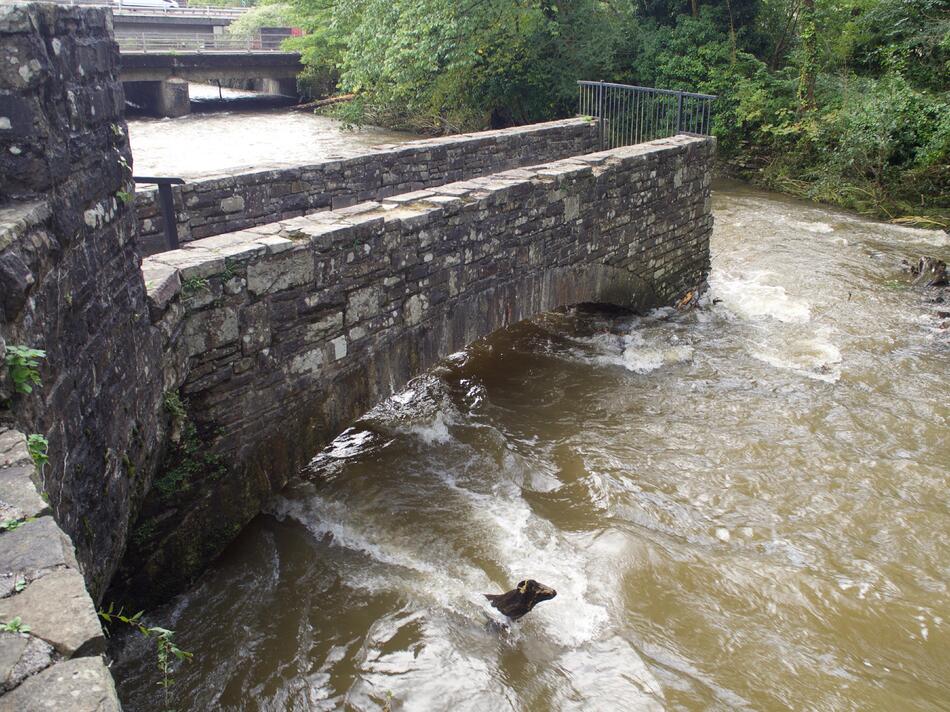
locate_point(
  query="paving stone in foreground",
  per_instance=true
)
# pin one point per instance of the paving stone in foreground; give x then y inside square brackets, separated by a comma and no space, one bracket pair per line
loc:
[58,610]
[78,685]
[21,655]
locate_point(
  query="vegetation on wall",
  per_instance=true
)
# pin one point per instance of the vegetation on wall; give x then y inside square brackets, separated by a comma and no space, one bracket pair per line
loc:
[844,101]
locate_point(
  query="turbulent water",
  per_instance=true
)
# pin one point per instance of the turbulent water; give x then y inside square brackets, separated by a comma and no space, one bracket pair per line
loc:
[744,506]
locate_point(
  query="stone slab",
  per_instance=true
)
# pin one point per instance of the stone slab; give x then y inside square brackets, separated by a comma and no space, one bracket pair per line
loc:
[162,282]
[18,492]
[80,685]
[13,450]
[21,655]
[34,548]
[58,609]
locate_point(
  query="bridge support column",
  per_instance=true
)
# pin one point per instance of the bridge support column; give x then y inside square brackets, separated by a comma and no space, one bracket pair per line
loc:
[165,98]
[284,87]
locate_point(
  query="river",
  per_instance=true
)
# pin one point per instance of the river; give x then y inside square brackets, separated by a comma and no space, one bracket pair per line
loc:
[742,507]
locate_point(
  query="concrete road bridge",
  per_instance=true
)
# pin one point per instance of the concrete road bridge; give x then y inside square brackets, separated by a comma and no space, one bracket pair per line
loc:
[163,49]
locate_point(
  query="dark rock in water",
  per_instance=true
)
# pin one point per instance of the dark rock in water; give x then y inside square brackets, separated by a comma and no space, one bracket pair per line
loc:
[520,600]
[929,272]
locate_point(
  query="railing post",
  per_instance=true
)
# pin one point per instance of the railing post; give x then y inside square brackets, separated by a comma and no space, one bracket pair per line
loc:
[679,111]
[167,205]
[600,112]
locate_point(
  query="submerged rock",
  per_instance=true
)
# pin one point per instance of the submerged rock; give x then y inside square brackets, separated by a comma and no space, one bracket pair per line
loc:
[929,272]
[520,600]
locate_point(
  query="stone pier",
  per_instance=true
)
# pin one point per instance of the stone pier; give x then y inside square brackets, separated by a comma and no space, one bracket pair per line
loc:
[167,98]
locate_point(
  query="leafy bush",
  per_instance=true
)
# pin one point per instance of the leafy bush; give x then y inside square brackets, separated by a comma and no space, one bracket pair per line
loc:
[23,363]
[844,101]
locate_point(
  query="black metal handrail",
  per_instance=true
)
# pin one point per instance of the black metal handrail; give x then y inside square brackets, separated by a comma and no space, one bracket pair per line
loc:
[167,205]
[631,114]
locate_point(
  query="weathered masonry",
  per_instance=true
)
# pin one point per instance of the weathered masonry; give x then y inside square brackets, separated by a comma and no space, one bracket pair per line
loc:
[277,336]
[70,285]
[178,393]
[217,205]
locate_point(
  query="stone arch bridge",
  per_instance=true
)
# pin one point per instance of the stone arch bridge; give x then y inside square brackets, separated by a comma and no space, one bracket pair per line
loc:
[279,335]
[180,391]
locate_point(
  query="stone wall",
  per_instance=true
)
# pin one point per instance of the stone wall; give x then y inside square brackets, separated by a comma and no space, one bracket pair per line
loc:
[278,336]
[70,278]
[55,661]
[218,205]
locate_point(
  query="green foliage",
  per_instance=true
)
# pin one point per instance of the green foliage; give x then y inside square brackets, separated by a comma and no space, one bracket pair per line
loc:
[227,3]
[22,363]
[166,650]
[144,533]
[842,101]
[267,15]
[195,285]
[8,525]
[124,196]
[39,449]
[14,625]
[172,403]
[189,458]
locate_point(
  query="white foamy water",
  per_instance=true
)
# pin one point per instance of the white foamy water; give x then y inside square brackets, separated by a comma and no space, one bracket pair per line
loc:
[752,296]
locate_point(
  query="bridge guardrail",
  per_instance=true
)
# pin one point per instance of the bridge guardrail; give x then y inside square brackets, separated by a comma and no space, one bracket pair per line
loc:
[630,114]
[120,8]
[146,42]
[225,12]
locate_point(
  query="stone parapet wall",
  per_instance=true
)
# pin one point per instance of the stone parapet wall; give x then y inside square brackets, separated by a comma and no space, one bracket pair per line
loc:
[220,205]
[55,660]
[278,336]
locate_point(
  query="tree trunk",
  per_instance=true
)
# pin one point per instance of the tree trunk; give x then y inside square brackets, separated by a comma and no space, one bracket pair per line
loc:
[806,84]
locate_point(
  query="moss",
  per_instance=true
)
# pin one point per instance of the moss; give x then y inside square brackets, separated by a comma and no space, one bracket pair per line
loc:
[144,533]
[127,466]
[87,529]
[191,458]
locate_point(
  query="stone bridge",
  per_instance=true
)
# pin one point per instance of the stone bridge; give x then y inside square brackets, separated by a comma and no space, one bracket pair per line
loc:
[181,391]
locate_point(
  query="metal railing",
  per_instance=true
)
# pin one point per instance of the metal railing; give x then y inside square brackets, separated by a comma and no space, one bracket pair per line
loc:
[630,114]
[120,8]
[166,204]
[146,42]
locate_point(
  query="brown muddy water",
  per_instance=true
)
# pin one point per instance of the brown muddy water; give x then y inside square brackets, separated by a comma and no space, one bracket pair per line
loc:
[243,139]
[742,507]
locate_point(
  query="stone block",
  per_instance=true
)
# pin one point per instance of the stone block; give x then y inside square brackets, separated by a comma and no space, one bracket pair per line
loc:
[162,283]
[192,262]
[275,273]
[363,304]
[17,492]
[58,609]
[13,449]
[210,329]
[35,548]
[21,655]
[80,685]
[233,204]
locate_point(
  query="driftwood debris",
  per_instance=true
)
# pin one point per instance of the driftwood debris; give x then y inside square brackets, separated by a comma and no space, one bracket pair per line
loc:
[520,600]
[320,103]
